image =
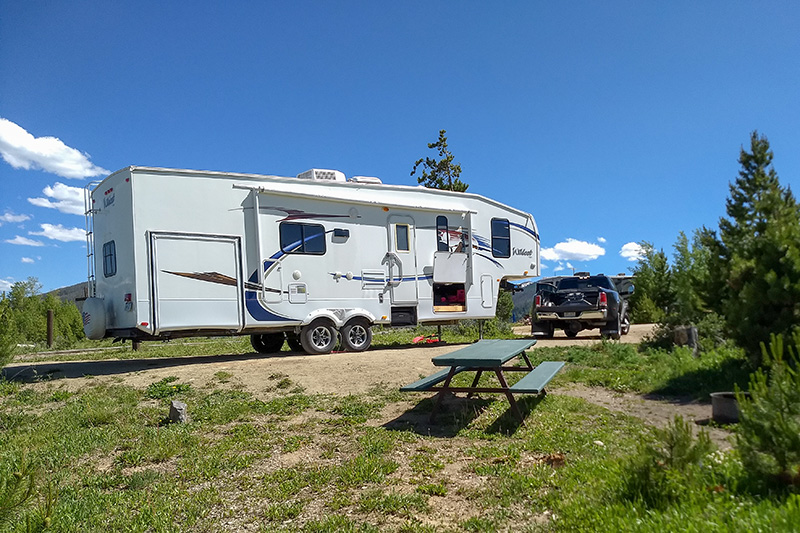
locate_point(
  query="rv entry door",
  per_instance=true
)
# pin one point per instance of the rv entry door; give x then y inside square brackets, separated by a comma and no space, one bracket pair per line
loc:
[401,261]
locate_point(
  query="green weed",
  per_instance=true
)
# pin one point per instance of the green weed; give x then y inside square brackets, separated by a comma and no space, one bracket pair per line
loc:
[432,489]
[166,388]
[392,503]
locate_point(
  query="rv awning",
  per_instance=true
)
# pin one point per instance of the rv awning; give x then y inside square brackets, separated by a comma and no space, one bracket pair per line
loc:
[351,200]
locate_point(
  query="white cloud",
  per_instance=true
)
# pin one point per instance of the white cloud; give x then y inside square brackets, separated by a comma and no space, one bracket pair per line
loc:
[27,260]
[542,266]
[569,265]
[8,217]
[573,250]
[601,239]
[20,149]
[5,284]
[632,251]
[57,232]
[67,199]
[22,241]
[558,268]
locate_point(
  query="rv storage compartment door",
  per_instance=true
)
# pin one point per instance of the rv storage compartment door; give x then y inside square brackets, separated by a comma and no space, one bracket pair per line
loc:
[449,267]
[196,282]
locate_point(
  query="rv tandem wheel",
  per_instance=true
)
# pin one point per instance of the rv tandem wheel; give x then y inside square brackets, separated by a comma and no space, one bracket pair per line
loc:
[357,335]
[319,336]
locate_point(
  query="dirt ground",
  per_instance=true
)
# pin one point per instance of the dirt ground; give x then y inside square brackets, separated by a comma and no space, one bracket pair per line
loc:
[343,373]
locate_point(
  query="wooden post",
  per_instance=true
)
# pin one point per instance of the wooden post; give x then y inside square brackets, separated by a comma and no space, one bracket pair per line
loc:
[50,319]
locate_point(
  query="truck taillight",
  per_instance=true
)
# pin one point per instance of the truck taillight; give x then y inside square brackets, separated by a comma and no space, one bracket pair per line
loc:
[537,300]
[603,300]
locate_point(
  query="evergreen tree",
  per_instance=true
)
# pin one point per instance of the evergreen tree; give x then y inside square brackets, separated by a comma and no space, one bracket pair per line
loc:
[689,275]
[442,173]
[757,253]
[654,295]
[505,306]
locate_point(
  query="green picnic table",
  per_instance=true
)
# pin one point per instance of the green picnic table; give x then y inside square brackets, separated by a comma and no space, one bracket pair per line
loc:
[489,355]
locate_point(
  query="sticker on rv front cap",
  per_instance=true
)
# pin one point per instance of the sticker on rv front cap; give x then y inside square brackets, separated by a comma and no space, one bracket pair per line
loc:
[108,197]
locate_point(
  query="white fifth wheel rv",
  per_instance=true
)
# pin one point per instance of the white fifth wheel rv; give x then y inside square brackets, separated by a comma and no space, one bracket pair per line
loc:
[306,259]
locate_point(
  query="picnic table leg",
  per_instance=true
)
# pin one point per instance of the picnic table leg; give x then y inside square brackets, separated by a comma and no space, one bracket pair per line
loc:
[527,361]
[441,393]
[475,382]
[514,407]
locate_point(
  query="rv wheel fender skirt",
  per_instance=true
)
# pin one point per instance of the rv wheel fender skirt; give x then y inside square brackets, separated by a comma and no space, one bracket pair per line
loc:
[319,336]
[94,318]
[357,334]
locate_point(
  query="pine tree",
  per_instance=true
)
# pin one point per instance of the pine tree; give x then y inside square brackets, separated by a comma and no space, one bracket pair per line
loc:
[757,253]
[689,275]
[441,173]
[654,296]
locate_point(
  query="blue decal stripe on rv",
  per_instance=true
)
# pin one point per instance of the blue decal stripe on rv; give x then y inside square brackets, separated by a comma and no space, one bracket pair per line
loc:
[258,311]
[490,259]
[405,278]
[525,229]
[482,241]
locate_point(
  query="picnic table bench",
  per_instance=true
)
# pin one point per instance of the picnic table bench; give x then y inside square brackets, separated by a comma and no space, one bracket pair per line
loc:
[488,356]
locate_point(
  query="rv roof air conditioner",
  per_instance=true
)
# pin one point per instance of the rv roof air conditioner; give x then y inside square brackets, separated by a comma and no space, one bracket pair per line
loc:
[365,179]
[320,174]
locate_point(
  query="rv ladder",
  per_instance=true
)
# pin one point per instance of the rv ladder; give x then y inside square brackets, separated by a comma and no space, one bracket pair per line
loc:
[89,212]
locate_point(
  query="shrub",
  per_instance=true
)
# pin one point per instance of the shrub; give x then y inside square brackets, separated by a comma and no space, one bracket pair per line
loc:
[769,420]
[24,317]
[669,466]
[7,343]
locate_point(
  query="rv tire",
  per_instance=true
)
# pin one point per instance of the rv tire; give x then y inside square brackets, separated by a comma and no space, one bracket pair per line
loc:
[267,343]
[318,337]
[293,340]
[357,335]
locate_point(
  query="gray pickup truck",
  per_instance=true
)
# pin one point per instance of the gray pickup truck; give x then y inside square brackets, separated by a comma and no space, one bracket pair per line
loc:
[582,301]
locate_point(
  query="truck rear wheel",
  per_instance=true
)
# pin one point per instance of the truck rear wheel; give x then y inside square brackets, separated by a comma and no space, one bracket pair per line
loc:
[625,327]
[357,335]
[318,337]
[543,329]
[267,343]
[614,330]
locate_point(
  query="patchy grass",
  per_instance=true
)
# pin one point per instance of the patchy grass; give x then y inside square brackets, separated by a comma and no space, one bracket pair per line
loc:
[296,462]
[623,368]
[103,458]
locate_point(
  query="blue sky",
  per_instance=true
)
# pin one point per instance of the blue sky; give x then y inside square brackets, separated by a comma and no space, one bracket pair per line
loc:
[611,122]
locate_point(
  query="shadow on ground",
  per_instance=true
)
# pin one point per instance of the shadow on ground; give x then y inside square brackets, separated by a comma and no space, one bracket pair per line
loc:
[456,413]
[77,369]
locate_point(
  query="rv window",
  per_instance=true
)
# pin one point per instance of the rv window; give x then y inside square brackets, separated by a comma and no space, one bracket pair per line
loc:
[302,238]
[109,259]
[442,236]
[401,238]
[501,238]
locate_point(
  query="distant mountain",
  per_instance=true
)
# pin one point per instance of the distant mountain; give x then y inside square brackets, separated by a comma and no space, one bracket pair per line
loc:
[523,301]
[74,293]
